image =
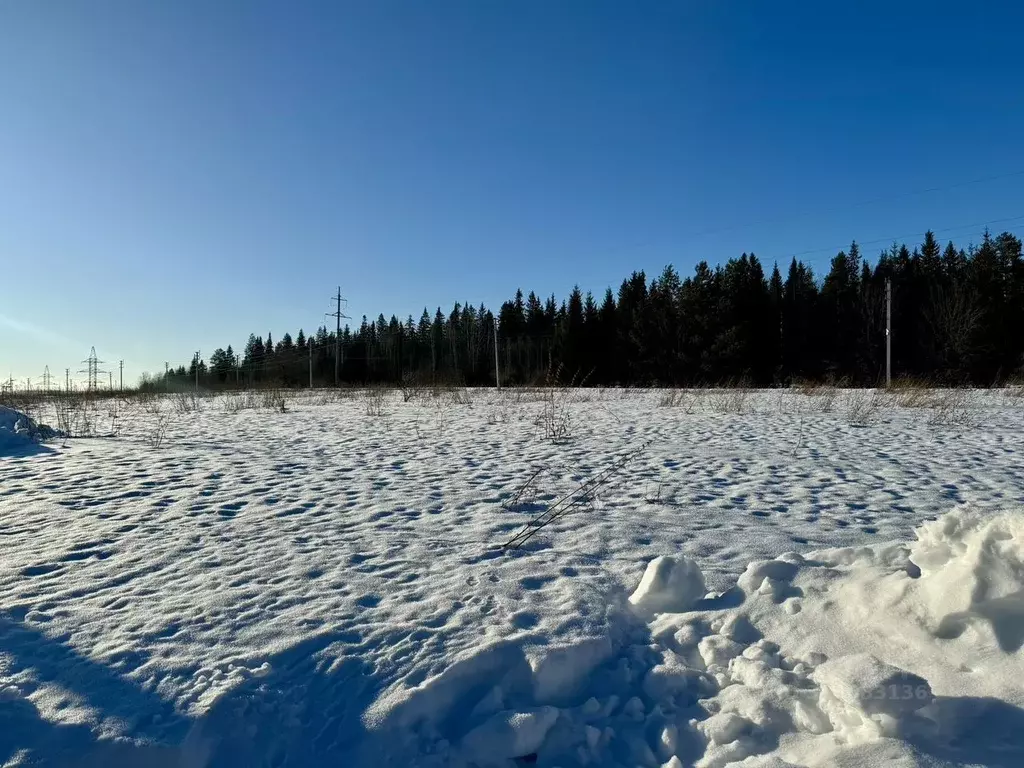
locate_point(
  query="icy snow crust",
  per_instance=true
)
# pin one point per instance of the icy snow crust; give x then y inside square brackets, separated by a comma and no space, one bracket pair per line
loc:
[322,587]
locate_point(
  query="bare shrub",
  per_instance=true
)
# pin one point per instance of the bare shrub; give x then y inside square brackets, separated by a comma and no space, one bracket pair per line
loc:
[409,387]
[376,402]
[861,407]
[805,387]
[952,408]
[826,398]
[270,399]
[730,399]
[689,400]
[460,396]
[329,396]
[186,402]
[912,398]
[274,399]
[506,407]
[124,414]
[906,392]
[673,398]
[556,417]
[824,394]
[1014,392]
[75,414]
[152,405]
[157,431]
[234,403]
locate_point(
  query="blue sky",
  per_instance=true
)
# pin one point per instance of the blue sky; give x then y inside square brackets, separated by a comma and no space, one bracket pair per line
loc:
[175,175]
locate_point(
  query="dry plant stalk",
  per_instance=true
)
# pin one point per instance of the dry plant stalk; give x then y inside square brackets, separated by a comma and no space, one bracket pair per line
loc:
[731,399]
[158,431]
[952,408]
[862,407]
[556,414]
[673,398]
[186,402]
[522,492]
[582,497]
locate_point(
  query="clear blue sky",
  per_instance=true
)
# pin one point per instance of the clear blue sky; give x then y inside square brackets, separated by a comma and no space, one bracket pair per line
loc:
[174,175]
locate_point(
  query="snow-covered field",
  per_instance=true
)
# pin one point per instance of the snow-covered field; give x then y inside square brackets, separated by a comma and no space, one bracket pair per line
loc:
[326,586]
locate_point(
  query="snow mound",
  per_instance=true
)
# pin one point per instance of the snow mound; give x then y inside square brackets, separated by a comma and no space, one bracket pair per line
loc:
[17,430]
[507,735]
[670,584]
[903,655]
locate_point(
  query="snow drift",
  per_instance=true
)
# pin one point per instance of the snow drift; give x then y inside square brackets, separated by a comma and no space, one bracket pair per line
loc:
[903,655]
[18,431]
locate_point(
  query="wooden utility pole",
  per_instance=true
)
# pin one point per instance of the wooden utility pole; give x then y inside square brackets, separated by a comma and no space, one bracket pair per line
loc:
[197,371]
[310,345]
[888,333]
[337,342]
[122,375]
[497,371]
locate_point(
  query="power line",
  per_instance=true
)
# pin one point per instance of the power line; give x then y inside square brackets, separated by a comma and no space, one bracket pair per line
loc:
[894,238]
[638,246]
[860,204]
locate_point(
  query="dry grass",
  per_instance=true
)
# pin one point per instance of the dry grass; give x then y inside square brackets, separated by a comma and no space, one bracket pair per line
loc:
[673,398]
[270,399]
[952,408]
[1014,392]
[76,415]
[730,399]
[861,407]
[824,395]
[321,397]
[688,400]
[186,402]
[506,407]
[460,396]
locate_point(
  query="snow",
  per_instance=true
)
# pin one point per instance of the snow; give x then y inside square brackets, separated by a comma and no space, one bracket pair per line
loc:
[324,586]
[19,433]
[507,735]
[670,583]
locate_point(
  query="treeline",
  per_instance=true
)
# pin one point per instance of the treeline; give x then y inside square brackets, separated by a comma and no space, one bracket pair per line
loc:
[957,317]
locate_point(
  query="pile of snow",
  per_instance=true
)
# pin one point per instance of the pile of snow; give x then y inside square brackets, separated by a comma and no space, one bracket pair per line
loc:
[17,429]
[899,655]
